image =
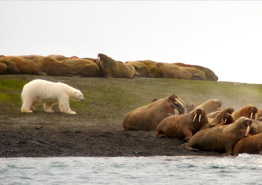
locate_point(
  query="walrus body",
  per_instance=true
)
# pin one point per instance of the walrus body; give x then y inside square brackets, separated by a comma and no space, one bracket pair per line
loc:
[258,125]
[116,69]
[251,144]
[147,117]
[211,105]
[83,67]
[220,138]
[22,66]
[224,114]
[182,126]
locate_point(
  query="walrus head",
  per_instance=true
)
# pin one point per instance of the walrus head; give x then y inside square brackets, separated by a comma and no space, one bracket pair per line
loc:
[246,123]
[253,112]
[178,104]
[229,110]
[199,114]
[227,119]
[249,111]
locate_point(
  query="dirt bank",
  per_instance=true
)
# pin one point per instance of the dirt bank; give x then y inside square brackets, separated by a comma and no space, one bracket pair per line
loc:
[43,135]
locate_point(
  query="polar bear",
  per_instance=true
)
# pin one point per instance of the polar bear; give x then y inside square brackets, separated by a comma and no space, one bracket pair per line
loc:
[48,93]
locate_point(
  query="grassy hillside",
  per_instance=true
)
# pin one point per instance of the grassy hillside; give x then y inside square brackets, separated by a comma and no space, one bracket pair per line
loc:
[108,100]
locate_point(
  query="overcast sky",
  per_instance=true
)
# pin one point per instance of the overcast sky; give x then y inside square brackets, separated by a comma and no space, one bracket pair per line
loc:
[225,36]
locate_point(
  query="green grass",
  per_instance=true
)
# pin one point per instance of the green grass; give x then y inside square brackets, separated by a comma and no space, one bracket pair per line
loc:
[113,98]
[10,91]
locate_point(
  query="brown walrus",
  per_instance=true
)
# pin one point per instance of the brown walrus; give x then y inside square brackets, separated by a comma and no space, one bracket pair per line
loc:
[248,111]
[182,126]
[147,117]
[257,126]
[141,68]
[221,115]
[52,67]
[211,105]
[225,119]
[173,71]
[220,138]
[83,67]
[251,145]
[112,68]
[22,66]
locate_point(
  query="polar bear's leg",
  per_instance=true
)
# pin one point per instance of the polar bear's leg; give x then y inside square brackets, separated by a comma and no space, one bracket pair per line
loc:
[64,106]
[27,106]
[48,106]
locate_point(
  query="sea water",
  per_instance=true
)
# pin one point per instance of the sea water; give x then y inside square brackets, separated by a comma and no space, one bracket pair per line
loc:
[244,169]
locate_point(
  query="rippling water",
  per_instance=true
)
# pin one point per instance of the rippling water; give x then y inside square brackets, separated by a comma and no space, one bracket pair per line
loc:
[244,169]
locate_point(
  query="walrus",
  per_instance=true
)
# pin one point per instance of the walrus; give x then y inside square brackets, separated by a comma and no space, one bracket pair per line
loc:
[259,114]
[224,119]
[210,75]
[220,139]
[154,71]
[251,145]
[142,69]
[83,67]
[211,105]
[22,66]
[248,111]
[3,67]
[182,126]
[147,117]
[58,57]
[220,115]
[112,68]
[173,71]
[52,67]
[258,125]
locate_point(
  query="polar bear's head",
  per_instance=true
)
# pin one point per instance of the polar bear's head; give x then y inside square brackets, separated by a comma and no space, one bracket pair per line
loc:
[78,96]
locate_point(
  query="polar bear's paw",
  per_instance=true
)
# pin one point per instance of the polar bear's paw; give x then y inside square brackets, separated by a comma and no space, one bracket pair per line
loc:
[71,112]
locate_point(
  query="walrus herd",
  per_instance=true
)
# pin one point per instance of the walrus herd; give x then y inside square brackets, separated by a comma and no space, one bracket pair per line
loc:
[101,66]
[206,127]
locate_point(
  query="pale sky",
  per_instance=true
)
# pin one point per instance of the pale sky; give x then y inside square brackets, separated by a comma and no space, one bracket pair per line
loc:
[225,36]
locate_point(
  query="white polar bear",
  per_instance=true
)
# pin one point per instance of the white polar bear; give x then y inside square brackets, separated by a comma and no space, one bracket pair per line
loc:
[48,93]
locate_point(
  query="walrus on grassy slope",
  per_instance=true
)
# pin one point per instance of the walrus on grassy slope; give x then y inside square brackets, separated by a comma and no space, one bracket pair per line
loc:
[182,126]
[83,67]
[142,69]
[248,111]
[251,145]
[112,68]
[211,105]
[52,67]
[154,71]
[210,75]
[173,71]
[147,117]
[220,138]
[22,66]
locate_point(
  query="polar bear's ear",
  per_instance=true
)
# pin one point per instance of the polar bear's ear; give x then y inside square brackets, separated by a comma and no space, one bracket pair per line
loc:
[75,92]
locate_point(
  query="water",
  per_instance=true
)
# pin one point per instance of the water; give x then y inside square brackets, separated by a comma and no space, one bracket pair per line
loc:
[244,169]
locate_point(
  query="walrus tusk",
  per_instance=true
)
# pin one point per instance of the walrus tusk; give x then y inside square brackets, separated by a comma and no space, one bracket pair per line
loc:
[199,119]
[251,117]
[170,114]
[248,130]
[180,101]
[194,117]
